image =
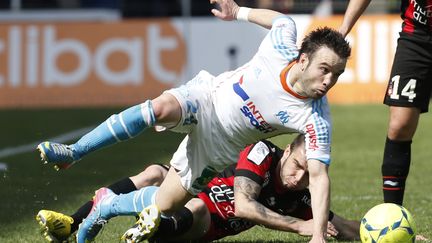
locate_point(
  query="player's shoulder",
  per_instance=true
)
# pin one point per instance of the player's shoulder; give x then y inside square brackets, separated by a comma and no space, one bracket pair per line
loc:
[321,108]
[257,160]
[259,151]
[283,21]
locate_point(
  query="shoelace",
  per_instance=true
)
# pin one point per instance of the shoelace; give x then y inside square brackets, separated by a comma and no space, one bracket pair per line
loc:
[96,227]
[133,234]
[62,150]
[146,220]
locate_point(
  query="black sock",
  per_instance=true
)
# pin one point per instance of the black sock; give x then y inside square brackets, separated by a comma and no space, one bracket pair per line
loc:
[122,186]
[175,225]
[81,214]
[395,169]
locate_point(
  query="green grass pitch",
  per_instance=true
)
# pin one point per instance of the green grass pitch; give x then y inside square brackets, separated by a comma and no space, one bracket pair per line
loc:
[28,186]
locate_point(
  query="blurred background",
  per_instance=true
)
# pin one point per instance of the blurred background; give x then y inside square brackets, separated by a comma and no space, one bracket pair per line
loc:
[67,65]
[80,53]
[169,8]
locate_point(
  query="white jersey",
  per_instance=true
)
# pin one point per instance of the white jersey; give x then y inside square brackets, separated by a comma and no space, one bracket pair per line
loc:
[256,101]
[223,114]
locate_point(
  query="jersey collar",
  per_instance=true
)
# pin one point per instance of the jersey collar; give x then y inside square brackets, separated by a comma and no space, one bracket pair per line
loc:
[285,83]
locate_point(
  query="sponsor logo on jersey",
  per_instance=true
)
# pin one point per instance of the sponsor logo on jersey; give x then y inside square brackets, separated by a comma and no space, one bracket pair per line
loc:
[306,200]
[221,193]
[250,111]
[222,197]
[420,13]
[310,130]
[255,118]
[239,91]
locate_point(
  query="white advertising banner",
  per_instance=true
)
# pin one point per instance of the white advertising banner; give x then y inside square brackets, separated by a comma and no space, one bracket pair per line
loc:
[126,62]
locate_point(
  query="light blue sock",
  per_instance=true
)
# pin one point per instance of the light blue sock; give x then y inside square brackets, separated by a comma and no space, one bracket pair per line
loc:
[119,127]
[133,202]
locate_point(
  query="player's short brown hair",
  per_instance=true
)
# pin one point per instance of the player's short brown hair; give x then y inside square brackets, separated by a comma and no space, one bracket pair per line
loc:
[298,142]
[328,37]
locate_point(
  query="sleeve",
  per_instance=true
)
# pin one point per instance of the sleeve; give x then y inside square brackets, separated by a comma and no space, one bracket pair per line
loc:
[254,162]
[282,39]
[317,132]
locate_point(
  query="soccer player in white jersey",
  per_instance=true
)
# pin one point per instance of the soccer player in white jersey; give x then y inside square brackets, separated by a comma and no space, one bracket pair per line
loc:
[280,90]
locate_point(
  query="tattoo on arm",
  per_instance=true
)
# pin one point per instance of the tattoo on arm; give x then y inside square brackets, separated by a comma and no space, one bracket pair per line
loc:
[247,187]
[251,190]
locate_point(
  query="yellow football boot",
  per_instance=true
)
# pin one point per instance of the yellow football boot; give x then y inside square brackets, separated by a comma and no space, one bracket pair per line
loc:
[55,227]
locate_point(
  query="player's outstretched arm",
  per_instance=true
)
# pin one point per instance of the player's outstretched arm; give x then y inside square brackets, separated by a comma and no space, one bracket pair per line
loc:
[319,187]
[229,10]
[352,14]
[246,193]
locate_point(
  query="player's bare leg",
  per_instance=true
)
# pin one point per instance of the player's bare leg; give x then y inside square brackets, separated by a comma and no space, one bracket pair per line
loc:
[170,198]
[201,220]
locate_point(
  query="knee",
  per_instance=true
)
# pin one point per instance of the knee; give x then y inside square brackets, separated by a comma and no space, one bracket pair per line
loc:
[400,130]
[198,208]
[167,110]
[403,123]
[153,175]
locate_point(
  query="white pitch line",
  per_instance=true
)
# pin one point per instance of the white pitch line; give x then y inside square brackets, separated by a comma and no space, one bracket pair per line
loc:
[10,151]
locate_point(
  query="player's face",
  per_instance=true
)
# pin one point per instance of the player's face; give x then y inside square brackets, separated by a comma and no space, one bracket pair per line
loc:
[294,174]
[320,72]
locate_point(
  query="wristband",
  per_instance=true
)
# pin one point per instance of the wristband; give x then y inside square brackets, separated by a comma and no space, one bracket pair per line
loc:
[243,13]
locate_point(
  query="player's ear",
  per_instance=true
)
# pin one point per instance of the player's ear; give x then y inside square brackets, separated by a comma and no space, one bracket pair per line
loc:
[287,150]
[303,61]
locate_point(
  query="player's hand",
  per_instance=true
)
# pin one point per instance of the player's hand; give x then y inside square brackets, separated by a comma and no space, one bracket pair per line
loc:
[421,238]
[228,9]
[331,230]
[306,229]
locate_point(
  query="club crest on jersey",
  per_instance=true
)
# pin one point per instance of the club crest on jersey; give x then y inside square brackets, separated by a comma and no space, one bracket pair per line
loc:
[390,89]
[283,117]
[250,111]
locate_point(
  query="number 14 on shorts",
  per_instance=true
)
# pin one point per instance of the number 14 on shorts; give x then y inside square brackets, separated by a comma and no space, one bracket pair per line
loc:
[407,91]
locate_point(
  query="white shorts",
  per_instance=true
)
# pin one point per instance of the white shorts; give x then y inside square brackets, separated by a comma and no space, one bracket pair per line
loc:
[206,149]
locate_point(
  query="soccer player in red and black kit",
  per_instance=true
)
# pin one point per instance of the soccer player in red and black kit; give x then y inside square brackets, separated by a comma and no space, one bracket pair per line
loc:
[268,187]
[408,90]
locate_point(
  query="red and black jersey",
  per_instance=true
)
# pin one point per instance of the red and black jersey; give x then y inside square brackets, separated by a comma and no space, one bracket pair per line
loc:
[272,196]
[417,16]
[257,162]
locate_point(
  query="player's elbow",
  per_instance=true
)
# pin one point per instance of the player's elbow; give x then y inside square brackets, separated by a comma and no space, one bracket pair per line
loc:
[240,212]
[242,209]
